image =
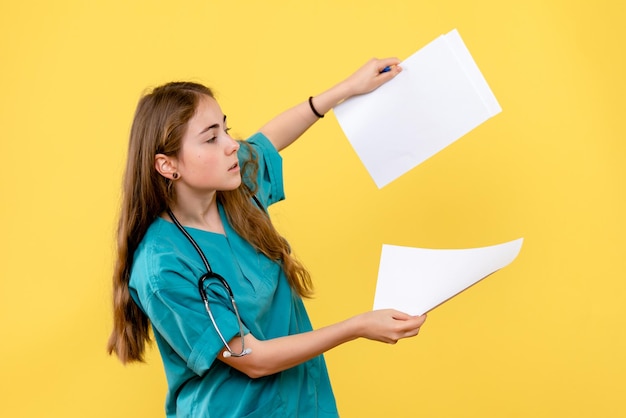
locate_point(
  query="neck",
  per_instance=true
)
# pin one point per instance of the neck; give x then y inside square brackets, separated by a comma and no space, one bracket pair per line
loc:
[200,215]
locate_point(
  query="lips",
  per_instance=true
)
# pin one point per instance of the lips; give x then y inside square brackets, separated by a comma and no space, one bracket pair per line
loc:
[234,166]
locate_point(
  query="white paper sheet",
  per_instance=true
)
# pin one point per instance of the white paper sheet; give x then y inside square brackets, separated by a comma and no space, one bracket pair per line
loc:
[416,280]
[438,97]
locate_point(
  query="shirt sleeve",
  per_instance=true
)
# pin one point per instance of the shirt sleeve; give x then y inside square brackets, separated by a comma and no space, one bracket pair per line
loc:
[269,178]
[172,302]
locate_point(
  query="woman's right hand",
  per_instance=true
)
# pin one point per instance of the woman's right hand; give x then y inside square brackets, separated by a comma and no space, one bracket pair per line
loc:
[388,325]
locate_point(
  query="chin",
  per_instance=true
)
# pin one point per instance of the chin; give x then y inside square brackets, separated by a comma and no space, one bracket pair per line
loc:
[234,186]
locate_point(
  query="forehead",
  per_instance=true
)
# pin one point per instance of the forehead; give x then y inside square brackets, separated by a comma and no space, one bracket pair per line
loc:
[208,113]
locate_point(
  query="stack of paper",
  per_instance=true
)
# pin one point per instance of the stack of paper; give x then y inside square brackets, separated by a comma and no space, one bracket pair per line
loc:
[415,280]
[438,97]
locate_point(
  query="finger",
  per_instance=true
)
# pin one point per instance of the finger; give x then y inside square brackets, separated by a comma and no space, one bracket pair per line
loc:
[390,71]
[413,332]
[387,62]
[400,315]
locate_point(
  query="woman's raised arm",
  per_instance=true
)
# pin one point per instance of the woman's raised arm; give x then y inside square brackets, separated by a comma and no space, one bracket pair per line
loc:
[288,126]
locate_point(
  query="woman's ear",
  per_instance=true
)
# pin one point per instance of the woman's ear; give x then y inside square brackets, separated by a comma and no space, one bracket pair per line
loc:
[166,166]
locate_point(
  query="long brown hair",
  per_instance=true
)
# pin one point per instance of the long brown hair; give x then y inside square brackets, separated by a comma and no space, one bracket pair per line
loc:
[158,127]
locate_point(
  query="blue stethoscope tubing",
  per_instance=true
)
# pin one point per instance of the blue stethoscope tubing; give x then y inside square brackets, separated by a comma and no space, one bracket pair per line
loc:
[210,274]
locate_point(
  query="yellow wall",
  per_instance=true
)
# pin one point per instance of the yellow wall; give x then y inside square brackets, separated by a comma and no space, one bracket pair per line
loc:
[542,338]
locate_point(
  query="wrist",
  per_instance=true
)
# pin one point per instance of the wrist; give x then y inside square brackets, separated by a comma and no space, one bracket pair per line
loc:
[355,327]
[314,109]
[344,90]
[327,100]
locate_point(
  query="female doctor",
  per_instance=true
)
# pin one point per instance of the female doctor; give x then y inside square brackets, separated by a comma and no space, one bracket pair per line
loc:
[200,263]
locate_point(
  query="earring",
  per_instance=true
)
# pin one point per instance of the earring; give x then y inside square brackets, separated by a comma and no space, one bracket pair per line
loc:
[175,176]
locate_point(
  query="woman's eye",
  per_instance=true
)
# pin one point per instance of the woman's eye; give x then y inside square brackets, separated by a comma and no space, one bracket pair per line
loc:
[227,130]
[212,139]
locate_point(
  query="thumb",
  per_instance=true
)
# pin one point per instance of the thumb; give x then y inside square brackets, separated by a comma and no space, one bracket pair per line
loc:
[400,315]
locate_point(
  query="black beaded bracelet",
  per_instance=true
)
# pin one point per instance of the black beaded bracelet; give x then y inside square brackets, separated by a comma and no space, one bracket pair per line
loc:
[318,114]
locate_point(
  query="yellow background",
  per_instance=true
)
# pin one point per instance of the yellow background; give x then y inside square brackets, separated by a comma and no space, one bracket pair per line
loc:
[542,338]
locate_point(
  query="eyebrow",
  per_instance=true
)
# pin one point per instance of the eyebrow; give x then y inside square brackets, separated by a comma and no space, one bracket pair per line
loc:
[215,125]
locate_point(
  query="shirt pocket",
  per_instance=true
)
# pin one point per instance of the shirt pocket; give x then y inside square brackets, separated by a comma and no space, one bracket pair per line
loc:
[274,408]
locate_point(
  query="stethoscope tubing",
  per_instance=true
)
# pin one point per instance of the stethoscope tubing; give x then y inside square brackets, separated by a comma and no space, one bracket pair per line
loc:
[210,274]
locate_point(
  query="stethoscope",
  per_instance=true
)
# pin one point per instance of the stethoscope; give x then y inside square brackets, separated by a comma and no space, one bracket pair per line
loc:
[210,274]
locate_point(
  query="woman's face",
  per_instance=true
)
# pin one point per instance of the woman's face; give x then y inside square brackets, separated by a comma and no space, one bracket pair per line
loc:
[208,157]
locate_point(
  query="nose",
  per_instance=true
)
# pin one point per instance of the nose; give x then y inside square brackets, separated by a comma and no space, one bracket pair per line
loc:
[233,146]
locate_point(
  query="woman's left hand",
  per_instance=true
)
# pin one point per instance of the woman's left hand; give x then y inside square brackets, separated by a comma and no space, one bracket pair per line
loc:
[371,76]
